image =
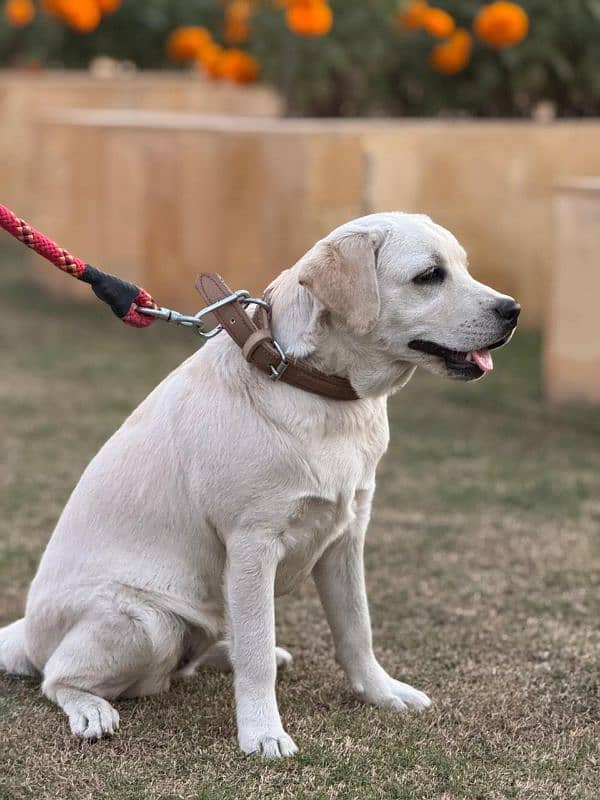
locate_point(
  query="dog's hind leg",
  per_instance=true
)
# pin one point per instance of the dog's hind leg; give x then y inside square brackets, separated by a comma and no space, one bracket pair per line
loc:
[217,657]
[13,656]
[107,656]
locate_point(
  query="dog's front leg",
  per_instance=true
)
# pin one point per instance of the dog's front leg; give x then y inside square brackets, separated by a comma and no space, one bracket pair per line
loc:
[250,580]
[339,575]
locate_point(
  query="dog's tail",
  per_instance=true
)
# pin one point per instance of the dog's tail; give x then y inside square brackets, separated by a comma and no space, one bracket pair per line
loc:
[13,657]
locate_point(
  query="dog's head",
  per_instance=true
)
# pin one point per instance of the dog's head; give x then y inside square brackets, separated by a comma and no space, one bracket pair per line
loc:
[398,285]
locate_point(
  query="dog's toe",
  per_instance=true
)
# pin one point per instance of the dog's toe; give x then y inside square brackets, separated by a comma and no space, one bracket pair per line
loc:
[78,723]
[395,703]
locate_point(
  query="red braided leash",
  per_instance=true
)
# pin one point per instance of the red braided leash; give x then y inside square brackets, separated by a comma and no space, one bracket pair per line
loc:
[124,298]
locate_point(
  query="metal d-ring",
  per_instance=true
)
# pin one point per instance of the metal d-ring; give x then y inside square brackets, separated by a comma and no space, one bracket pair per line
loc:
[256,301]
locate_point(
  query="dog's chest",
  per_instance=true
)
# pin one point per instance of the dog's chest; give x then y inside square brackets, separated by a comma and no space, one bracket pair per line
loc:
[340,471]
[312,525]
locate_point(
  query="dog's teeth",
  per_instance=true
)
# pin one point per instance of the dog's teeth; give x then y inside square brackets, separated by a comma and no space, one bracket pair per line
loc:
[468,357]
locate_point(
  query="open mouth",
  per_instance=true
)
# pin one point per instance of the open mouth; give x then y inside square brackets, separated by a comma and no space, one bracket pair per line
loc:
[468,365]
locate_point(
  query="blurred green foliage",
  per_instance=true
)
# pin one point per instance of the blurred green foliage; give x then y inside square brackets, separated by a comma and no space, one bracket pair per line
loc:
[137,32]
[370,66]
[559,62]
[366,65]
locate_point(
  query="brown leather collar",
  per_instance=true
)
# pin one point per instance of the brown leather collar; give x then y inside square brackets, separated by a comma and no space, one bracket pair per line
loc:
[254,337]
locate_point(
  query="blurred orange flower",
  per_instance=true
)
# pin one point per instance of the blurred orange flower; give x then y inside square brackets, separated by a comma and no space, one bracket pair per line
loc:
[19,13]
[187,43]
[82,15]
[109,6]
[309,17]
[453,55]
[238,66]
[237,21]
[210,59]
[413,16]
[438,22]
[501,24]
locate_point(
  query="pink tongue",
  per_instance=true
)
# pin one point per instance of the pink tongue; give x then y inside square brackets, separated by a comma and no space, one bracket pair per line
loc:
[483,359]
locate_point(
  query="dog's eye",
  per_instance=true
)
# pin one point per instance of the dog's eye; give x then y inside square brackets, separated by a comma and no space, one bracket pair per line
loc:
[431,275]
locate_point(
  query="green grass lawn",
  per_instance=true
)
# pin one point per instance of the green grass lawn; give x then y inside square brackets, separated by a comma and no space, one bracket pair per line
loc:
[483,564]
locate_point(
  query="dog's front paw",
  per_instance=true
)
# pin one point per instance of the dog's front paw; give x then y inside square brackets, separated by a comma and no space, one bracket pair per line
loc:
[93,719]
[386,692]
[270,744]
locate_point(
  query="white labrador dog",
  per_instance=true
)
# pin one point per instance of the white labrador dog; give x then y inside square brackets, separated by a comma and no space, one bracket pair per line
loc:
[224,489]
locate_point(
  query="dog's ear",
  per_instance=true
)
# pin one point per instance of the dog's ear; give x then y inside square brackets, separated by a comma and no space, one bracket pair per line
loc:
[340,273]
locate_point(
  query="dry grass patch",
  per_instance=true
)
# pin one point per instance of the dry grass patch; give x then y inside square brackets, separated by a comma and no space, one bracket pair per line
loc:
[483,566]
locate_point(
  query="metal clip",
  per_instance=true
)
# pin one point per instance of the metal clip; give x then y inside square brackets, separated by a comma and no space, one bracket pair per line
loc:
[197,321]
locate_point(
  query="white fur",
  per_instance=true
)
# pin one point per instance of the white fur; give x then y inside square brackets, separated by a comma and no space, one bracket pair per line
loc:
[223,489]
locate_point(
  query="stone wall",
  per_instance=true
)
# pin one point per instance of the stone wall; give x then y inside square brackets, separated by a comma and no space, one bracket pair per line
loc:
[159,197]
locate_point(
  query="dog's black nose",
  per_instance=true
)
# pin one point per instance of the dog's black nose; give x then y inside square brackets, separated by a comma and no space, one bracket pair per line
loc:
[508,310]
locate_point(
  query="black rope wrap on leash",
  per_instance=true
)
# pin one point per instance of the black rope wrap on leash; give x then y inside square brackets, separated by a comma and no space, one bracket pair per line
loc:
[113,291]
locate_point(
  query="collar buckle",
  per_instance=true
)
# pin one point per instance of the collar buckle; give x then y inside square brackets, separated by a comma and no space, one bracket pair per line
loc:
[277,372]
